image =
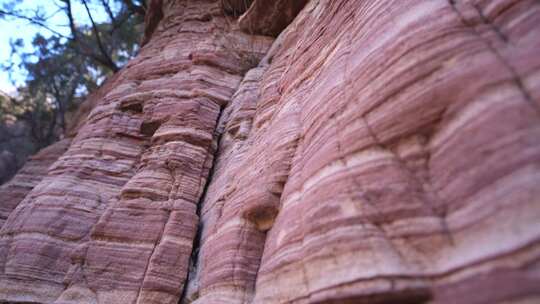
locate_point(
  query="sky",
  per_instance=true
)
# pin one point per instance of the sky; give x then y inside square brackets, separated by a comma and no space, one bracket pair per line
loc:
[12,29]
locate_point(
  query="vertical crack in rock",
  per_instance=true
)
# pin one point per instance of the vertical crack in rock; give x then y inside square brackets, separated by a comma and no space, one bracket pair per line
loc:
[473,25]
[155,128]
[181,125]
[194,256]
[270,17]
[191,292]
[336,171]
[248,181]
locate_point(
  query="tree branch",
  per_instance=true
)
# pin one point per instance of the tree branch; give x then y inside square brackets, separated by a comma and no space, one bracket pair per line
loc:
[60,113]
[138,9]
[107,8]
[33,21]
[69,14]
[104,52]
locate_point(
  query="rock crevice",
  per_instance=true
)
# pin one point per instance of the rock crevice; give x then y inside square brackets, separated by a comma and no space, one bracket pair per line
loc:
[373,152]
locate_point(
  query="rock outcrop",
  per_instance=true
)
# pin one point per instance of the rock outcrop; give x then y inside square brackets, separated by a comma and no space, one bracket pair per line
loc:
[373,152]
[35,169]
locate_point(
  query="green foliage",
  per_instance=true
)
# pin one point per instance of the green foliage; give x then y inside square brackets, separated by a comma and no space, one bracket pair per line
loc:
[62,69]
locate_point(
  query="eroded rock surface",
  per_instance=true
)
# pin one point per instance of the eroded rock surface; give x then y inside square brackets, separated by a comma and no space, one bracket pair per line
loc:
[114,220]
[35,169]
[380,152]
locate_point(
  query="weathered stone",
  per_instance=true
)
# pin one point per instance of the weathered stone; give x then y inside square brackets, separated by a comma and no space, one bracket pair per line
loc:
[386,137]
[270,17]
[35,169]
[380,152]
[118,216]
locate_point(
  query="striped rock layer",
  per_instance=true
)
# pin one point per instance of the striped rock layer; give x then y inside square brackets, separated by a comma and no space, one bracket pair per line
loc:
[342,151]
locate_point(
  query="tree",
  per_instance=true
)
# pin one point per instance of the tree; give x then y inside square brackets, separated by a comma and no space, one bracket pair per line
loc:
[106,44]
[67,61]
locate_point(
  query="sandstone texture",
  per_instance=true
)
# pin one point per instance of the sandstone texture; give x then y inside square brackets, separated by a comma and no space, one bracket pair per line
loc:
[35,169]
[271,151]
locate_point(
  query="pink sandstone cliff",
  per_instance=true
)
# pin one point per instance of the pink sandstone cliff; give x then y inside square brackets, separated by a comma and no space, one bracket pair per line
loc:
[275,151]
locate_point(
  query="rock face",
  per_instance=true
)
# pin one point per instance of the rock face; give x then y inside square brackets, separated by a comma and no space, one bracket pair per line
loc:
[374,152]
[35,169]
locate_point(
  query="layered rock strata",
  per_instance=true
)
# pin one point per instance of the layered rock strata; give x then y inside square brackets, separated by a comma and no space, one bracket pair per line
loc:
[35,169]
[114,220]
[380,152]
[387,154]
